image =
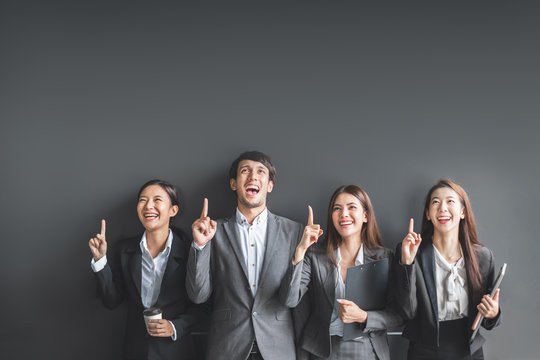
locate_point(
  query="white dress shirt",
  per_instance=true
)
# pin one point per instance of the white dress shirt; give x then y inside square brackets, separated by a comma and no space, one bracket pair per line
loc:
[152,270]
[451,282]
[253,242]
[336,325]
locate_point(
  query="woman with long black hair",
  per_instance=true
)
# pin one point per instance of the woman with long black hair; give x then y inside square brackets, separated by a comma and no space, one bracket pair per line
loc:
[319,272]
[442,276]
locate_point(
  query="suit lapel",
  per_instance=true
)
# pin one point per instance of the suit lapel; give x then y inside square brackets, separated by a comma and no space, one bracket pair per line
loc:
[232,235]
[330,282]
[327,277]
[273,241]
[134,259]
[428,269]
[175,258]
[369,256]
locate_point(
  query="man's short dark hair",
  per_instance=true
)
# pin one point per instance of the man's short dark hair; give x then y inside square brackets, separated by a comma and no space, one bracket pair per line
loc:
[253,156]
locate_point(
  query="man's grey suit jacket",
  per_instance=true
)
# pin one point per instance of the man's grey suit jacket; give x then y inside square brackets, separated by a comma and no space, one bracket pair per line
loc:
[218,272]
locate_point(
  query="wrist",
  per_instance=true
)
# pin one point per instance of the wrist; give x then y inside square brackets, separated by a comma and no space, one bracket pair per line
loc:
[364,318]
[299,255]
[99,257]
[406,261]
[199,242]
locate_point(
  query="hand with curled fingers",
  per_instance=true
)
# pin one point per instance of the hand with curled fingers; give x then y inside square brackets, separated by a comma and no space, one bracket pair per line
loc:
[310,237]
[160,328]
[203,228]
[349,312]
[97,244]
[410,244]
[489,307]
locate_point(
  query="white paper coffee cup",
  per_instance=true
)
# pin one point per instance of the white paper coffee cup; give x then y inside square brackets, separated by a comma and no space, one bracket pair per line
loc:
[151,313]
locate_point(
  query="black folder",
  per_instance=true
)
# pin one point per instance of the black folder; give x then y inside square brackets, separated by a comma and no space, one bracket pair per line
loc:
[367,287]
[496,285]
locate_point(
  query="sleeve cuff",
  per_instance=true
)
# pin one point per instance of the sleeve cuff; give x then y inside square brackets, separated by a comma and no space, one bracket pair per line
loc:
[97,266]
[173,336]
[197,247]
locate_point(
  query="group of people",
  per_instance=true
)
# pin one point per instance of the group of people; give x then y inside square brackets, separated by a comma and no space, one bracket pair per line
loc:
[270,288]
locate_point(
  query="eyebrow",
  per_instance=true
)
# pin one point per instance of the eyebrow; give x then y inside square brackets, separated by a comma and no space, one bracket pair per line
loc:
[146,196]
[255,166]
[351,203]
[448,197]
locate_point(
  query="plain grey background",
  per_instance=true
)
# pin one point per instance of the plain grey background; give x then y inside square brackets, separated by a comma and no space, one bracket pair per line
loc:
[98,97]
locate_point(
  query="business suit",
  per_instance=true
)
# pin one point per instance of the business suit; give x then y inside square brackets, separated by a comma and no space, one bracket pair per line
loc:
[417,294]
[238,317]
[318,275]
[122,280]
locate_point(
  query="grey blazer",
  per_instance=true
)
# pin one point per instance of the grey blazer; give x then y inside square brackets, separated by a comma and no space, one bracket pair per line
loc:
[218,272]
[417,292]
[319,276]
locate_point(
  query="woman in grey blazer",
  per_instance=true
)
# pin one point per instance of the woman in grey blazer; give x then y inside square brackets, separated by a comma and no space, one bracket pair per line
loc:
[353,238]
[441,278]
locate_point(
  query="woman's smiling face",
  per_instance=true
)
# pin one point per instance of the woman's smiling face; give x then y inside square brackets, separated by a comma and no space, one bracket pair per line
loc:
[445,210]
[348,215]
[154,208]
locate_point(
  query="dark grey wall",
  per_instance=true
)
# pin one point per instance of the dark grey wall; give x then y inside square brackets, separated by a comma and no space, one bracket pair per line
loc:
[99,96]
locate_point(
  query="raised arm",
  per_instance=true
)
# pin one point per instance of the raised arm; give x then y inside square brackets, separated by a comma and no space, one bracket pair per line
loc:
[404,272]
[110,287]
[198,275]
[298,276]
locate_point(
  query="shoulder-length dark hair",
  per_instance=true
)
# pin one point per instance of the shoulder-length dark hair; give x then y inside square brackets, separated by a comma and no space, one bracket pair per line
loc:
[468,238]
[370,235]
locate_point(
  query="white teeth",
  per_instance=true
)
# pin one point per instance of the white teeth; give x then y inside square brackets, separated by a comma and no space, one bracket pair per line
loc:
[345,223]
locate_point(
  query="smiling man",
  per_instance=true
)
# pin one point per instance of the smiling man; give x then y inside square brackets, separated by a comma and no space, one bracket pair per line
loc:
[239,263]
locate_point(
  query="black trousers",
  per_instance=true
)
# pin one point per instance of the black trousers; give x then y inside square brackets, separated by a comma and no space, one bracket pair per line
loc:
[453,344]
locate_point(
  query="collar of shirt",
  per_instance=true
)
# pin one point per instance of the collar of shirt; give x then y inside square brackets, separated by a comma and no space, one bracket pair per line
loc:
[452,297]
[259,220]
[144,245]
[441,261]
[359,258]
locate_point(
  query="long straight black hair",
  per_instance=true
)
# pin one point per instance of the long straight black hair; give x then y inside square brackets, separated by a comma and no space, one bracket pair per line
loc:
[370,235]
[468,237]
